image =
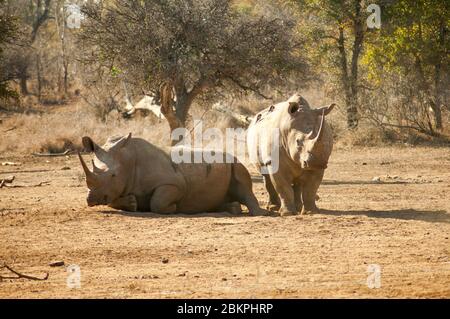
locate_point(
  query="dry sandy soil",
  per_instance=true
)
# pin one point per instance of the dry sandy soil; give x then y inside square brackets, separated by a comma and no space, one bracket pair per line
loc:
[401,223]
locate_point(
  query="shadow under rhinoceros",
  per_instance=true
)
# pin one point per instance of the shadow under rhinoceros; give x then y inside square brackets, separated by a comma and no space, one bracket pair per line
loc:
[259,179]
[182,215]
[440,216]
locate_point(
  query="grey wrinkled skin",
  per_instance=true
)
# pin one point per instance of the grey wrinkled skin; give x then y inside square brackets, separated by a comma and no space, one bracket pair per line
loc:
[131,174]
[306,142]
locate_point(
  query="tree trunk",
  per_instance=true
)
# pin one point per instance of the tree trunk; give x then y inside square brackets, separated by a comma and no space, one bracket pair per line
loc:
[60,26]
[182,106]
[349,78]
[350,105]
[168,112]
[436,104]
[356,51]
[178,118]
[438,88]
[39,77]
[23,83]
[66,78]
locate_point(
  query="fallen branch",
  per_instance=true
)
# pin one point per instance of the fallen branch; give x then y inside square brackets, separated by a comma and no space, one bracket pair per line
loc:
[242,119]
[66,152]
[20,275]
[32,185]
[10,129]
[11,164]
[8,180]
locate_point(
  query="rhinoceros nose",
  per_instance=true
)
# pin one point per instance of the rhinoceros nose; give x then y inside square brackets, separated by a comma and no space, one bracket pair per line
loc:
[307,160]
[91,199]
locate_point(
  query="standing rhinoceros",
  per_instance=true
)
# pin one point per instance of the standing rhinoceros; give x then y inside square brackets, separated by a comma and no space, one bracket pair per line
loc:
[304,146]
[133,175]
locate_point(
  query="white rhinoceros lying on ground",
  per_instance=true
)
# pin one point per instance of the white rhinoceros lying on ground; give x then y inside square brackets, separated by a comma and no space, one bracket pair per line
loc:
[305,143]
[133,175]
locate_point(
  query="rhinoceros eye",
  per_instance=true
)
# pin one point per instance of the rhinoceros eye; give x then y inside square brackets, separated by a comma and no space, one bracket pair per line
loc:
[113,175]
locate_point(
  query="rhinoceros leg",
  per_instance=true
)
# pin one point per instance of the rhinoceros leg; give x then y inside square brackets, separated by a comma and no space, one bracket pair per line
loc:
[231,207]
[164,199]
[274,200]
[127,203]
[286,192]
[298,196]
[241,189]
[311,183]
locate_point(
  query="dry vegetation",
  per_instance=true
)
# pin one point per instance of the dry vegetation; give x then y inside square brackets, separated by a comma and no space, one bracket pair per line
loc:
[57,128]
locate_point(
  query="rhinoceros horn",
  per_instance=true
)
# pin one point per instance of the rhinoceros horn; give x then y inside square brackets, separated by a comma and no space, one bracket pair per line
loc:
[322,119]
[91,179]
[91,146]
[95,168]
[323,111]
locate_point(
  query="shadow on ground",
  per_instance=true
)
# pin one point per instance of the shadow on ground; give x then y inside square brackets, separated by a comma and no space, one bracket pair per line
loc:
[259,179]
[440,216]
[183,215]
[404,214]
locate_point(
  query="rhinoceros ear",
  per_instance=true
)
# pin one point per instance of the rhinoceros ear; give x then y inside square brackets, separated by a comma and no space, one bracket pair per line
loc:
[88,144]
[295,98]
[297,107]
[121,142]
[325,109]
[293,107]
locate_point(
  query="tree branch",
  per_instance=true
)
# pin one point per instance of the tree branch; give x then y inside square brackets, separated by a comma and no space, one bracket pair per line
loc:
[246,87]
[20,275]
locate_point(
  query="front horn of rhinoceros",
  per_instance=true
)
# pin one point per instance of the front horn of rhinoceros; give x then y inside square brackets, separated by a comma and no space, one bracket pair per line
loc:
[91,178]
[319,150]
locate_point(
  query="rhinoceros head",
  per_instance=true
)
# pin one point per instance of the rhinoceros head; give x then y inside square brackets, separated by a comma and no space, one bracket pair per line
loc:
[305,130]
[108,179]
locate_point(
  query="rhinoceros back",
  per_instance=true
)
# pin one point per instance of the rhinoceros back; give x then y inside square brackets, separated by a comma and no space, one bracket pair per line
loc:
[207,185]
[263,137]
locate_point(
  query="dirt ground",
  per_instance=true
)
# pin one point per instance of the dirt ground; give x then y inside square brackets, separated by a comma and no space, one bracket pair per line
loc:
[386,206]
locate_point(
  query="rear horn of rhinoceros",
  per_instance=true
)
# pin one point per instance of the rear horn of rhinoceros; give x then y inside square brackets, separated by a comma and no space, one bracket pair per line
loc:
[91,146]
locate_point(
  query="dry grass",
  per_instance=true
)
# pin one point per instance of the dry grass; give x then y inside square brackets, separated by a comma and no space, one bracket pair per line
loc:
[55,129]
[61,128]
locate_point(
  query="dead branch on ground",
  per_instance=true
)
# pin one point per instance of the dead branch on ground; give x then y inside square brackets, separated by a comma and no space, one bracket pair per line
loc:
[8,180]
[20,275]
[10,129]
[66,152]
[11,164]
[44,183]
[242,119]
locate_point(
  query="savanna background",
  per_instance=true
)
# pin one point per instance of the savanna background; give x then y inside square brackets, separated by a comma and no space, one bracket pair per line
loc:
[66,73]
